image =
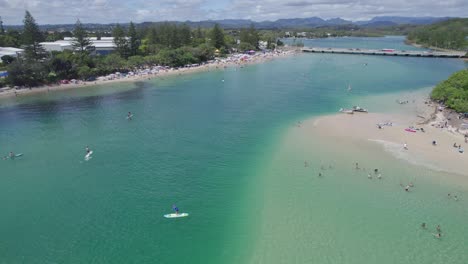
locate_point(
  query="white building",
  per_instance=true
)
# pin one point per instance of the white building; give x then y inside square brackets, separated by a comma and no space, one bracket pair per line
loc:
[13,52]
[103,46]
[57,46]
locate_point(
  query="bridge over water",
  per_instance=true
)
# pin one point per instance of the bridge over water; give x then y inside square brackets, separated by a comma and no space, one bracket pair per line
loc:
[388,52]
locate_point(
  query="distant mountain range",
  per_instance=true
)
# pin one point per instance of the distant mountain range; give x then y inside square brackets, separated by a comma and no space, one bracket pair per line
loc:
[311,22]
[290,23]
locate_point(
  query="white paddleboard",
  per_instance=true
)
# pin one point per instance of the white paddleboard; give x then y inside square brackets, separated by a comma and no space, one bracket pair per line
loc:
[88,155]
[176,215]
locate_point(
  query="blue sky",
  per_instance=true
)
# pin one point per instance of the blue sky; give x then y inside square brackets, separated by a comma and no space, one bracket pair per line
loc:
[106,11]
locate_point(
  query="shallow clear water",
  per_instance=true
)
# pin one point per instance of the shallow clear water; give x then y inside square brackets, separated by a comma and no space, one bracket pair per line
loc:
[207,146]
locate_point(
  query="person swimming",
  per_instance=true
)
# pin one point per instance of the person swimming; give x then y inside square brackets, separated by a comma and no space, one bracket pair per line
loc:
[407,188]
[379,176]
[438,228]
[438,235]
[423,225]
[11,155]
[129,116]
[369,176]
[87,150]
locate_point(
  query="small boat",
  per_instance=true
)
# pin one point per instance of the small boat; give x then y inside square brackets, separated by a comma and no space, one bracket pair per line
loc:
[359,109]
[346,111]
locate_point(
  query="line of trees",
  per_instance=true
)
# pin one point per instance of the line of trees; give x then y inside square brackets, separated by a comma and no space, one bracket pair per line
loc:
[165,44]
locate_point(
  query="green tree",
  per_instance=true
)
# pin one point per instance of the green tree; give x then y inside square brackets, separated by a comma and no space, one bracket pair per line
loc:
[185,35]
[31,38]
[8,40]
[81,41]
[217,37]
[113,62]
[203,52]
[23,73]
[84,72]
[250,36]
[2,30]
[453,91]
[63,65]
[120,41]
[7,59]
[134,41]
[135,61]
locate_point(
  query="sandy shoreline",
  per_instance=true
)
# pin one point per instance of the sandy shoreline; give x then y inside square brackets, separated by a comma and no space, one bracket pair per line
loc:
[260,58]
[362,128]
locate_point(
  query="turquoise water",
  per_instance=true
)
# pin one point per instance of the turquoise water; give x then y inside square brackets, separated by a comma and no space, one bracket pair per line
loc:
[200,143]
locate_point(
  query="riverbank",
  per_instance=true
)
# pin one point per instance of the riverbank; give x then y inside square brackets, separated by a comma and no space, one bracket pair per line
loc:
[236,60]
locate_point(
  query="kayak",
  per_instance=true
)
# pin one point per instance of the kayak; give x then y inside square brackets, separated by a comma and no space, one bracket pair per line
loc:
[176,215]
[410,130]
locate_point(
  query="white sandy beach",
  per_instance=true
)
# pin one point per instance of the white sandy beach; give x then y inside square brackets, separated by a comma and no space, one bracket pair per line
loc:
[362,127]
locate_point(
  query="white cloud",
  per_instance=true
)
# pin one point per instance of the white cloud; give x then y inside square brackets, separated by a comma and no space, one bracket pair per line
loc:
[107,11]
